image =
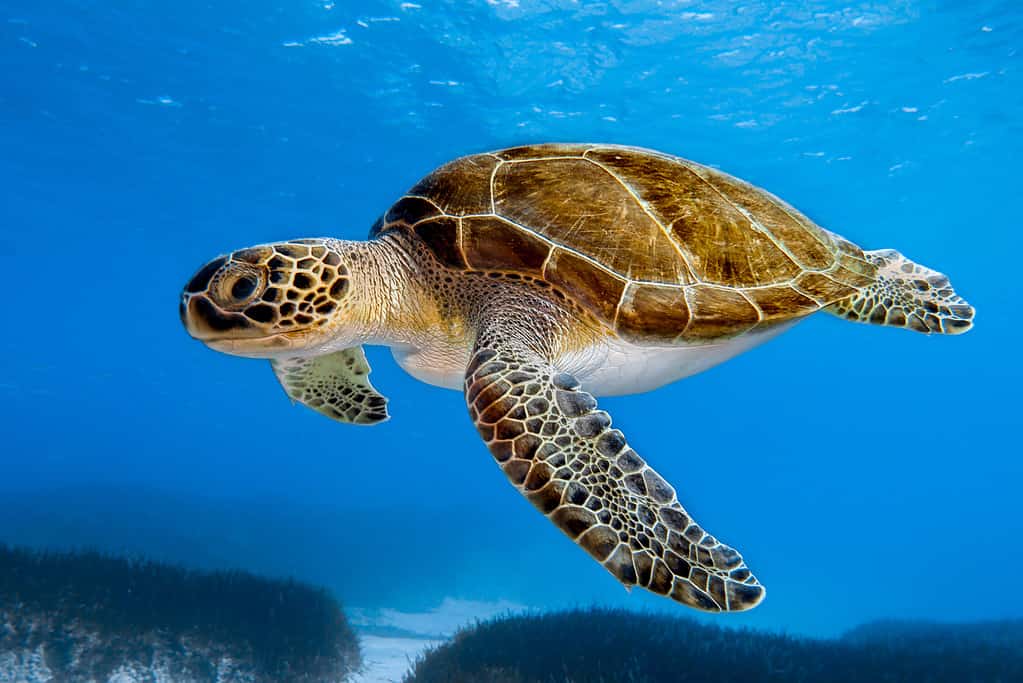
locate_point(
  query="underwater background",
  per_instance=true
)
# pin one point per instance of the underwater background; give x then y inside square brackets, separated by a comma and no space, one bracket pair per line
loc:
[863,472]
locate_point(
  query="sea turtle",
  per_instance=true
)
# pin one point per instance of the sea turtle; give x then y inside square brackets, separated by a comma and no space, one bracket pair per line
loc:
[537,277]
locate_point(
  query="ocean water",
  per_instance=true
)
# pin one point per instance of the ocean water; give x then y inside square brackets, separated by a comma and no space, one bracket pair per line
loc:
[864,472]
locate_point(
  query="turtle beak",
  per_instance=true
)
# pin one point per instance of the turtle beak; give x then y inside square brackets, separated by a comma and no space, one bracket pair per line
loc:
[229,332]
[203,318]
[206,322]
[200,317]
[273,346]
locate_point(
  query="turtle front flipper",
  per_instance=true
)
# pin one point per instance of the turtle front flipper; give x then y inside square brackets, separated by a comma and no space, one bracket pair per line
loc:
[336,385]
[562,454]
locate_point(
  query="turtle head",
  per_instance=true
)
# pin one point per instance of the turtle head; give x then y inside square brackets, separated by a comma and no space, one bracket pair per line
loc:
[269,300]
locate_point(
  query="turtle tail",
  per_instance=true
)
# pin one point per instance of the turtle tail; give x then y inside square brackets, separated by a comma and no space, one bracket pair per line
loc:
[906,294]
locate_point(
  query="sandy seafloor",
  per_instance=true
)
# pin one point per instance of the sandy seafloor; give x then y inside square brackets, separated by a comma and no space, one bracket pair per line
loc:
[386,659]
[392,640]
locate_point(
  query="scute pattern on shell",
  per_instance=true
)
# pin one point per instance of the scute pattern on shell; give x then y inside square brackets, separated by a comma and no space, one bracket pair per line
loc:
[657,247]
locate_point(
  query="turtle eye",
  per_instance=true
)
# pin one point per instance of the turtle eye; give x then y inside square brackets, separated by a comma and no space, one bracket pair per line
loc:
[238,286]
[243,288]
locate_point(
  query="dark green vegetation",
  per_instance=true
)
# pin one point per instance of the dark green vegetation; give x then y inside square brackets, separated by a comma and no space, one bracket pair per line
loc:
[601,646]
[91,613]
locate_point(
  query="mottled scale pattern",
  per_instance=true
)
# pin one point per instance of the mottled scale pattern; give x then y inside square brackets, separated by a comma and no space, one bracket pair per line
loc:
[284,286]
[657,247]
[336,385]
[908,295]
[561,452]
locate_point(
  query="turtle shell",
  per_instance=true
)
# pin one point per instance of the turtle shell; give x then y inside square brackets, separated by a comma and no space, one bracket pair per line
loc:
[657,247]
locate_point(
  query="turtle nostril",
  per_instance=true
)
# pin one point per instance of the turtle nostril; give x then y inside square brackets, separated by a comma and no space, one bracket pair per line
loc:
[243,288]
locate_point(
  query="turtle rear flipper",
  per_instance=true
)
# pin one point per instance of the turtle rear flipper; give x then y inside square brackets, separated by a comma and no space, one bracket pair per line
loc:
[908,295]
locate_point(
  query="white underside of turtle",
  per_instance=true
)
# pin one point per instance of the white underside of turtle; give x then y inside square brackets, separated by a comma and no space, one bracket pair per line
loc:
[535,278]
[611,367]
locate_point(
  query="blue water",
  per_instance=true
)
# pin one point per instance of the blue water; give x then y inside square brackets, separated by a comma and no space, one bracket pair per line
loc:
[863,472]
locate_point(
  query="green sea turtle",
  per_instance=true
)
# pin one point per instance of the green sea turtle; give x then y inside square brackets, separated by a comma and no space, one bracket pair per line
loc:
[536,277]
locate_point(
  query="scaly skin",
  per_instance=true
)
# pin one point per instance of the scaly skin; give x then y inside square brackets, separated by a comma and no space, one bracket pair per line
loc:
[542,429]
[306,297]
[560,452]
[501,266]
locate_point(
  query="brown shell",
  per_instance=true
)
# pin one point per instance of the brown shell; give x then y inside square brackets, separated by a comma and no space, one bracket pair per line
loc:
[658,247]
